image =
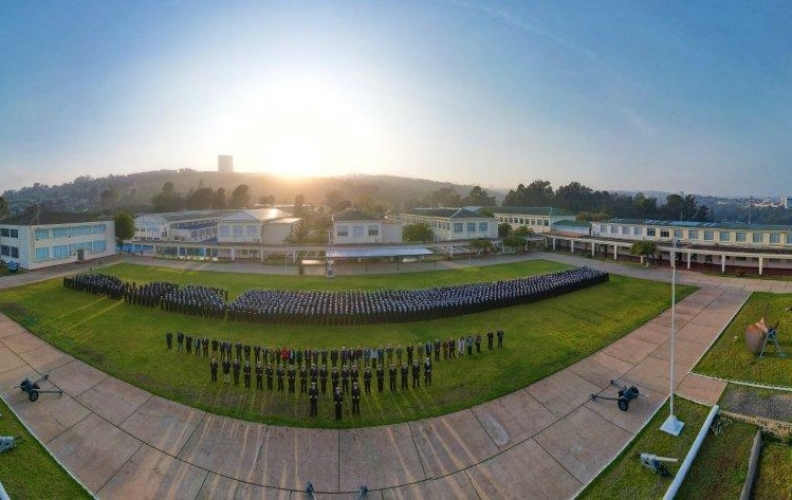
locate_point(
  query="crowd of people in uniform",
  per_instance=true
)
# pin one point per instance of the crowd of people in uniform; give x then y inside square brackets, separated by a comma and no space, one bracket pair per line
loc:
[340,308]
[342,368]
[392,306]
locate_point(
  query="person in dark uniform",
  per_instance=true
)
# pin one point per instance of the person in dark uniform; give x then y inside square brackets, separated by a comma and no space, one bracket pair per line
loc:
[335,378]
[213,365]
[338,400]
[428,372]
[313,396]
[355,398]
[500,338]
[247,352]
[416,374]
[354,375]
[246,372]
[367,380]
[314,371]
[292,378]
[215,345]
[345,379]
[238,347]
[405,372]
[259,376]
[205,345]
[323,378]
[437,346]
[380,379]
[478,343]
[180,341]
[227,370]
[188,342]
[303,380]
[269,377]
[237,366]
[169,340]
[490,336]
[391,377]
[279,374]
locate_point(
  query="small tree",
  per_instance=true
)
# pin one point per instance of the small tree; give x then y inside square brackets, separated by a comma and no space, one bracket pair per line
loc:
[419,231]
[482,245]
[514,241]
[124,228]
[643,249]
[504,230]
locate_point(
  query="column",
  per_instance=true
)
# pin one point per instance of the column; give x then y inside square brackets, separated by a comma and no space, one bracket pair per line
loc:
[723,263]
[688,259]
[761,265]
[615,251]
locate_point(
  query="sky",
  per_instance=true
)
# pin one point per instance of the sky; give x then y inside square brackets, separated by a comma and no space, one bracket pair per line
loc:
[674,96]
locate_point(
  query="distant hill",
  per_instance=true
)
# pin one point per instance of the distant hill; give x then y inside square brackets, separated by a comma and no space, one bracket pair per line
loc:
[134,192]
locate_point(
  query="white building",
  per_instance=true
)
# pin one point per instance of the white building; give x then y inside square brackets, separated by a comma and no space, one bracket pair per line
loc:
[188,225]
[51,241]
[268,226]
[540,219]
[450,224]
[354,226]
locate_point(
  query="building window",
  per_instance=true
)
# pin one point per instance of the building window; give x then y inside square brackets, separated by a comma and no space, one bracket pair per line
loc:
[373,231]
[342,231]
[15,252]
[637,231]
[4,232]
[225,231]
[60,232]
[238,231]
[651,232]
[14,233]
[740,237]
[603,229]
[483,227]
[614,230]
[99,229]
[42,254]
[471,227]
[723,236]
[5,250]
[693,234]
[42,234]
[458,227]
[758,237]
[60,251]
[678,234]
[789,238]
[775,238]
[99,246]
[709,235]
[665,233]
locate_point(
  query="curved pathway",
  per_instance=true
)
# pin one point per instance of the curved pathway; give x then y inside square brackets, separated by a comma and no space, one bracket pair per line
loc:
[544,441]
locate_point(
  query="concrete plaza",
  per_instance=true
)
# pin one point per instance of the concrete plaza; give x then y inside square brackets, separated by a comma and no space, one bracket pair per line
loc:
[547,440]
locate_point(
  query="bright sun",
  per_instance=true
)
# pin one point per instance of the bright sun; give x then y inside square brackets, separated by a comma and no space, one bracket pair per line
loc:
[300,127]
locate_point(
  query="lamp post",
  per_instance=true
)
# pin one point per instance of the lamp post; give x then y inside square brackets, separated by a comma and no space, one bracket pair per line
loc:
[672,425]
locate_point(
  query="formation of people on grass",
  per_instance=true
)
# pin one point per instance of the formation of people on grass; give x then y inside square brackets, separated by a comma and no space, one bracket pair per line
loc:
[342,367]
[341,308]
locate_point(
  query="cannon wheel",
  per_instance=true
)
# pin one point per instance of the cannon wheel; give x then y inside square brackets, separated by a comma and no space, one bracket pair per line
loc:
[33,394]
[624,404]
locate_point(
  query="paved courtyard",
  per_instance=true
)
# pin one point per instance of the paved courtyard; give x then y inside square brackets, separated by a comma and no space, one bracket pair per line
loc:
[546,440]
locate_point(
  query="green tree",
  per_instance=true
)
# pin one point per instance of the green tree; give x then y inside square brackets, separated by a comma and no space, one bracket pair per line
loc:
[240,197]
[524,231]
[537,194]
[443,197]
[201,199]
[219,201]
[299,234]
[482,245]
[419,231]
[643,249]
[504,229]
[479,197]
[3,207]
[108,197]
[514,241]
[167,200]
[124,228]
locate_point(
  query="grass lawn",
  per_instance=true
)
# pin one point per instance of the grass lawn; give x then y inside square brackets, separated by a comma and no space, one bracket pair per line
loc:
[729,359]
[128,341]
[775,470]
[718,471]
[28,471]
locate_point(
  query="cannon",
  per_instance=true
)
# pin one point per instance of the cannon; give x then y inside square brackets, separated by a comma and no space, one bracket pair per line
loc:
[655,463]
[6,443]
[625,395]
[33,389]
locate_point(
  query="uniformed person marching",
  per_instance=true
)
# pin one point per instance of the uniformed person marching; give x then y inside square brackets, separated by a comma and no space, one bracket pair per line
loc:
[345,379]
[367,380]
[259,376]
[338,400]
[237,367]
[213,365]
[405,372]
[416,374]
[279,374]
[169,340]
[246,372]
[227,370]
[335,378]
[355,398]
[269,377]
[313,396]
[323,378]
[303,380]
[391,377]
[428,371]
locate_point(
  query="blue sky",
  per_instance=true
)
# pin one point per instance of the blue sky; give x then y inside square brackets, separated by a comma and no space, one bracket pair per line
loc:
[617,95]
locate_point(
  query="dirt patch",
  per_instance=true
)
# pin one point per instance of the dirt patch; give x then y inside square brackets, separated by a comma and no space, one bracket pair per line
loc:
[776,405]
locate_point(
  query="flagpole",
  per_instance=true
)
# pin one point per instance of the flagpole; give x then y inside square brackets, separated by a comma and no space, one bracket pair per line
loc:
[672,425]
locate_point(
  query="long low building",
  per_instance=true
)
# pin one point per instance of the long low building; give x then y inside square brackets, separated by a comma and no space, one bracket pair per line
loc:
[725,246]
[51,239]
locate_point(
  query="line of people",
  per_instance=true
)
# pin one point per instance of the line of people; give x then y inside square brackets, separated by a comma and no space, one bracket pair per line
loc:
[340,308]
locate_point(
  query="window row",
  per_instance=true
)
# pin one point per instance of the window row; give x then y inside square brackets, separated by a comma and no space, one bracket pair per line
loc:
[9,251]
[9,233]
[696,234]
[64,251]
[357,231]
[524,221]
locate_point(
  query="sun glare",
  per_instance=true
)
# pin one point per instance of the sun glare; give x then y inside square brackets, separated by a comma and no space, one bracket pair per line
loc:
[301,127]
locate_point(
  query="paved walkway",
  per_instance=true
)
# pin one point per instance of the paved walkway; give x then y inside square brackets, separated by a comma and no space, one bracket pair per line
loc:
[544,441]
